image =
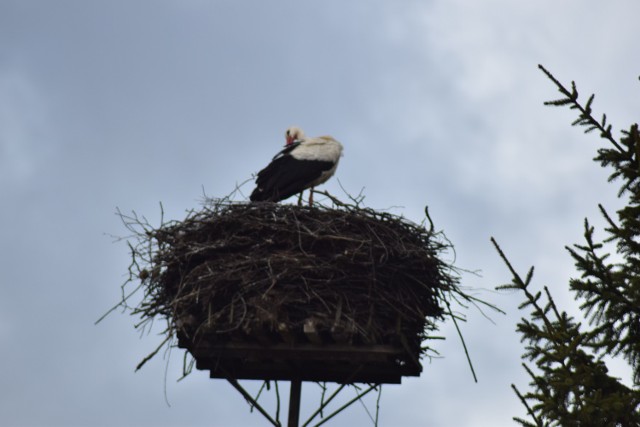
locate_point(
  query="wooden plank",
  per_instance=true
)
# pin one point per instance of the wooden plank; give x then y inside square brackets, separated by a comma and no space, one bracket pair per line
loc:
[376,363]
[285,333]
[343,332]
[345,373]
[258,332]
[311,331]
[331,352]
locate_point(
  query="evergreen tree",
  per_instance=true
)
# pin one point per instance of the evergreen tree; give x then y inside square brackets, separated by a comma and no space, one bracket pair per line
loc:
[570,384]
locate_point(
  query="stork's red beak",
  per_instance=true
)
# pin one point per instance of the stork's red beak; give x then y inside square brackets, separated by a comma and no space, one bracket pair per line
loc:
[289,139]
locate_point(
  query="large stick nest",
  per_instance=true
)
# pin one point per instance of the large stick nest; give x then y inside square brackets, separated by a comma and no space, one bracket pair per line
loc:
[262,271]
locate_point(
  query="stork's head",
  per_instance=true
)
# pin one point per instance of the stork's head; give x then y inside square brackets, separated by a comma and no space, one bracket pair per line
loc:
[293,134]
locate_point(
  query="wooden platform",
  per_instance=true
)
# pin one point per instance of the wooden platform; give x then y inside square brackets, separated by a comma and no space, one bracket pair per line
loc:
[321,361]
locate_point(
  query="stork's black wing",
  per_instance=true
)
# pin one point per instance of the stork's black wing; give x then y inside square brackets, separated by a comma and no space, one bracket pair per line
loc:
[286,176]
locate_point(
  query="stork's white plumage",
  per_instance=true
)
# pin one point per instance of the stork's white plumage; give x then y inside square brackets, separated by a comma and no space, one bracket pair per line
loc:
[303,163]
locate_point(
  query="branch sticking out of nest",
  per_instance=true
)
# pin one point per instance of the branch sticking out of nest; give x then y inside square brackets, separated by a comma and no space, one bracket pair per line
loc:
[275,273]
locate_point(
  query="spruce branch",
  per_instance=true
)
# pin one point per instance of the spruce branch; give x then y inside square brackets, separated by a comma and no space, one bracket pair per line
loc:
[570,386]
[585,118]
[532,414]
[570,383]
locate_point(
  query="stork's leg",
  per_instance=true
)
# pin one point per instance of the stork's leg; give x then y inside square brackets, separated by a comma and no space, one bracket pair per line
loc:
[311,196]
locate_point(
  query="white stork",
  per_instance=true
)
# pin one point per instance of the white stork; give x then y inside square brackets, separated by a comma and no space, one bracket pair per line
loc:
[303,163]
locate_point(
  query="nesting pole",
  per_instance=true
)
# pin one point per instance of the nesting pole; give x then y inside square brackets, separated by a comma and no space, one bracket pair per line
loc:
[294,403]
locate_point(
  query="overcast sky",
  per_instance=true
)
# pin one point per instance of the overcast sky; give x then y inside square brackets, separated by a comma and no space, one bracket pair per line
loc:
[131,103]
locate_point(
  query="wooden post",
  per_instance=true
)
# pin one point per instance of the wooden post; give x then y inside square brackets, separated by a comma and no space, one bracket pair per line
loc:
[294,403]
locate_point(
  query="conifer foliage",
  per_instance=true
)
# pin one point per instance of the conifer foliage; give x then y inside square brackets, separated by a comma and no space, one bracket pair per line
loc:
[570,384]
